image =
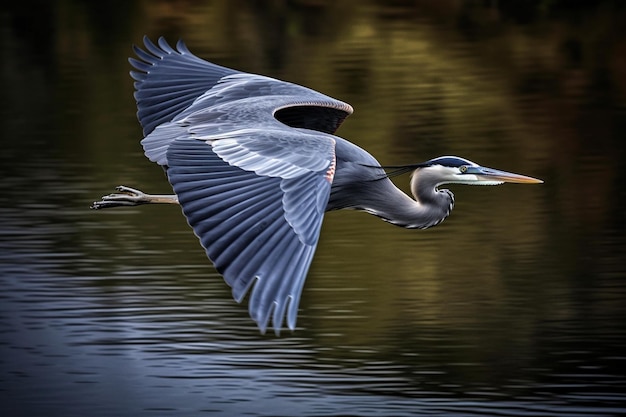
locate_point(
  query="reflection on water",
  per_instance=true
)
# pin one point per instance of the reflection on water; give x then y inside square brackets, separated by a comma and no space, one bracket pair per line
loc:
[513,306]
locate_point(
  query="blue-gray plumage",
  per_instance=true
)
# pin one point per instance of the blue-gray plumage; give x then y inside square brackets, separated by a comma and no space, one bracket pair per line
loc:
[254,164]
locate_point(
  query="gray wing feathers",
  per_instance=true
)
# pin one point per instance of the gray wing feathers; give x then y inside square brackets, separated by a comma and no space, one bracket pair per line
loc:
[155,145]
[168,80]
[259,231]
[275,153]
[304,205]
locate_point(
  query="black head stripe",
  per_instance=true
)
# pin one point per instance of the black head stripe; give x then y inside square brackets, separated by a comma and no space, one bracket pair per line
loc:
[450,161]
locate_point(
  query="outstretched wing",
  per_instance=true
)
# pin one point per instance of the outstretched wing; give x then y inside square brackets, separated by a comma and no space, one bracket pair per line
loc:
[168,81]
[256,202]
[251,160]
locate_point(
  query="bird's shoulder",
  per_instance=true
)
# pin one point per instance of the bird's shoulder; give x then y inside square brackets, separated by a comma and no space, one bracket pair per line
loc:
[349,153]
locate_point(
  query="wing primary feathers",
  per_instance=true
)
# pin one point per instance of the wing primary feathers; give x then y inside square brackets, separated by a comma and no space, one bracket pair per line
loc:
[161,69]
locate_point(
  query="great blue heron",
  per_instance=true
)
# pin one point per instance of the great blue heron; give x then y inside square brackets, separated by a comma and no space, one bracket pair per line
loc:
[254,164]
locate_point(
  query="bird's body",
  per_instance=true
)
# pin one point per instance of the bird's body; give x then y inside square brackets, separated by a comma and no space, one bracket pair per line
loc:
[254,164]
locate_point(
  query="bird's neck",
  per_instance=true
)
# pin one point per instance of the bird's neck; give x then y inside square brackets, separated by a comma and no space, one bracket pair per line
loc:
[423,212]
[429,207]
[380,197]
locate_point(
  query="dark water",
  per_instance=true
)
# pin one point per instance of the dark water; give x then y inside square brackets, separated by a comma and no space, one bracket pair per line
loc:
[515,305]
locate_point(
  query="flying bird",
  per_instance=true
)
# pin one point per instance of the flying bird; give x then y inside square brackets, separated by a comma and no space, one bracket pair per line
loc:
[254,164]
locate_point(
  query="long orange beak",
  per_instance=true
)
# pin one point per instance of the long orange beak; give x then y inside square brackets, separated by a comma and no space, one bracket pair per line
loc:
[490,174]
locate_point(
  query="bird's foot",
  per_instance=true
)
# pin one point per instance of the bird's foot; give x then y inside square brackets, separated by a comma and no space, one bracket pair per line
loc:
[125,197]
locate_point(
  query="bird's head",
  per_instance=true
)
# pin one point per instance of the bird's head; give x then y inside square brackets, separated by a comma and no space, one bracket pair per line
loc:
[455,170]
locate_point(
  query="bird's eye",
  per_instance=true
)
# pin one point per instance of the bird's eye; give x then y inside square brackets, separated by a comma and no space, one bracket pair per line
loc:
[463,169]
